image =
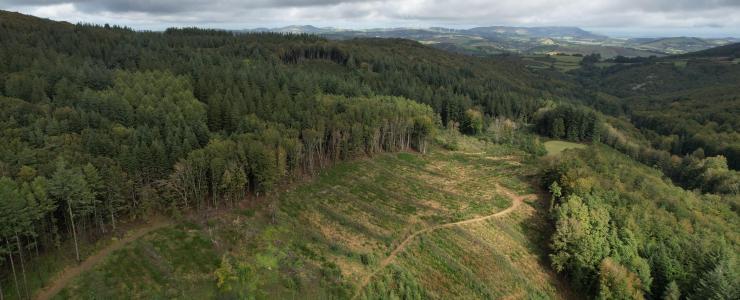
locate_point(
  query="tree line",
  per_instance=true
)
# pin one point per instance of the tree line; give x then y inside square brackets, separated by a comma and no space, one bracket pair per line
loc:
[103,124]
[695,170]
[680,103]
[570,122]
[623,232]
[143,145]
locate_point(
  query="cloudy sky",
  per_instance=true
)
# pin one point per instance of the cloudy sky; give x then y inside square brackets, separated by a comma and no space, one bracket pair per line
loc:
[709,18]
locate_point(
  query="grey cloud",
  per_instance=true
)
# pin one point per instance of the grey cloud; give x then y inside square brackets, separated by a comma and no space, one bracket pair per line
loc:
[426,7]
[34,2]
[674,5]
[174,6]
[143,6]
[588,13]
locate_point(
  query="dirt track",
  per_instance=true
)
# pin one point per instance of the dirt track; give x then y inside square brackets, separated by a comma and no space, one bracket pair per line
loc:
[516,201]
[70,273]
[67,275]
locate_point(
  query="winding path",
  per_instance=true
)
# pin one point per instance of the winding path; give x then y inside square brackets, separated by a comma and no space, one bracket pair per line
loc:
[516,202]
[68,274]
[62,279]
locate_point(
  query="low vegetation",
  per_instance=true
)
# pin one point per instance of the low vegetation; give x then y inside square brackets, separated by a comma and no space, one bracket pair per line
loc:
[103,124]
[501,257]
[559,62]
[321,238]
[299,167]
[681,104]
[556,147]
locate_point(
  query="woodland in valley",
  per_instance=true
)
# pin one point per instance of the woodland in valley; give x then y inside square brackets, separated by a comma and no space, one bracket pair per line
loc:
[103,126]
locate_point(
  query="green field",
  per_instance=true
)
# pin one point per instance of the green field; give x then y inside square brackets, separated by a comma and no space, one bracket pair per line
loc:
[566,62]
[562,63]
[680,63]
[501,258]
[319,239]
[555,147]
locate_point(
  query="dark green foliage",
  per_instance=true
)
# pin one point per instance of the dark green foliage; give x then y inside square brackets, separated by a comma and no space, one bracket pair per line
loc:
[731,50]
[111,123]
[617,215]
[573,123]
[101,122]
[672,292]
[679,103]
[719,282]
[263,152]
[692,171]
[591,59]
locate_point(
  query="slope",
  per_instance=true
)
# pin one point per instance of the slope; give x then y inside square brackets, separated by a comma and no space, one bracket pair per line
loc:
[104,124]
[681,103]
[69,274]
[731,50]
[630,215]
[327,238]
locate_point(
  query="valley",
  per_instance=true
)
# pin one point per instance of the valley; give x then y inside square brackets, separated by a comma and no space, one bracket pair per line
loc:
[316,163]
[495,40]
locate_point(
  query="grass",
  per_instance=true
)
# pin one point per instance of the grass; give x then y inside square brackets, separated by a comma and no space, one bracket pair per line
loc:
[169,263]
[562,63]
[566,62]
[40,270]
[556,147]
[680,63]
[500,258]
[319,239]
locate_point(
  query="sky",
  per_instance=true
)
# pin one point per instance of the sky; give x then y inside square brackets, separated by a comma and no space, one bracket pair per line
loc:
[620,18]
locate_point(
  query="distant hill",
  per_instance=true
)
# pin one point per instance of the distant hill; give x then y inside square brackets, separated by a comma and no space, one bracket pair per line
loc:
[691,99]
[731,50]
[528,40]
[295,29]
[13,19]
[604,51]
[539,32]
[676,44]
[295,165]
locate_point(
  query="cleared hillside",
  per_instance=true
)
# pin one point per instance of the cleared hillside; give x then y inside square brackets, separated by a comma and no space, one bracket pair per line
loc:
[105,126]
[323,238]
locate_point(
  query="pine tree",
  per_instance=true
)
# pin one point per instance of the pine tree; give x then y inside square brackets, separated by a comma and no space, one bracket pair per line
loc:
[558,128]
[720,282]
[672,292]
[68,185]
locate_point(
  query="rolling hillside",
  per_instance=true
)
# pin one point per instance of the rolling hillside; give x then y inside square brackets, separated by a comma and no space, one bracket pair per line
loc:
[526,40]
[364,228]
[679,45]
[197,163]
[689,101]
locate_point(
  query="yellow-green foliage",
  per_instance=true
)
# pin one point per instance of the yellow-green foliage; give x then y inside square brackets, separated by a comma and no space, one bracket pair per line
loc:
[173,262]
[555,147]
[616,282]
[319,239]
[613,207]
[495,259]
